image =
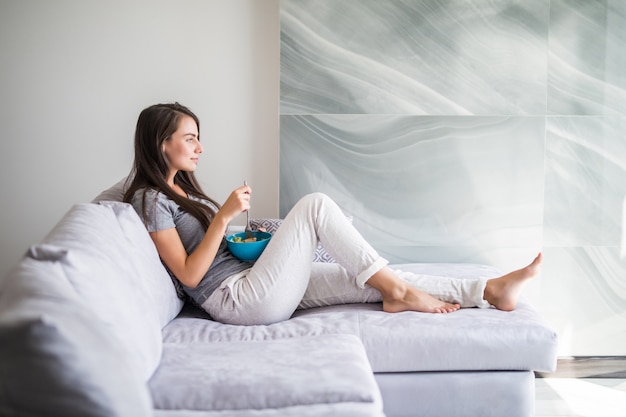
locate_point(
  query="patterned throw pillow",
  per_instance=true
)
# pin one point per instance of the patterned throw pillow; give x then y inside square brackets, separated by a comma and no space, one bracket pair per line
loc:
[271,225]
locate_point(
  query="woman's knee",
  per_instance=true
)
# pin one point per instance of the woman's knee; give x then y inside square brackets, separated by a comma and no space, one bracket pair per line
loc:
[316,199]
[315,196]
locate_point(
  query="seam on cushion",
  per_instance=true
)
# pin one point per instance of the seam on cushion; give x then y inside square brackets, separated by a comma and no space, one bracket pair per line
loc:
[47,252]
[260,341]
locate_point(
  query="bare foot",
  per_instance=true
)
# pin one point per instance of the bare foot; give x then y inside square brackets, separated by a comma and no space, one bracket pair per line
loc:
[503,292]
[416,300]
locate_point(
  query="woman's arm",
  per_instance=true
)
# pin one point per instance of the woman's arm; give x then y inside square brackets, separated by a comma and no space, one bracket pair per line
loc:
[189,269]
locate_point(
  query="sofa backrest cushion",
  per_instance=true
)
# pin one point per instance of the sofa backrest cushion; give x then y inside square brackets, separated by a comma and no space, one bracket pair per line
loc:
[56,356]
[111,262]
[113,193]
[153,280]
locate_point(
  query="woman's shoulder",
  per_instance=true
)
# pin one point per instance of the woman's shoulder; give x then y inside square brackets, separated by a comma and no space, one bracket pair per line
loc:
[155,208]
[150,196]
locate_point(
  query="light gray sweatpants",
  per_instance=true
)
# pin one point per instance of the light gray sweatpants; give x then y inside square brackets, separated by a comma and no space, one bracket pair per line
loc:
[284,278]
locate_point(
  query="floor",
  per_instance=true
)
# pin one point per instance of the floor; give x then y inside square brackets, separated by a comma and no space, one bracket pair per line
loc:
[583,387]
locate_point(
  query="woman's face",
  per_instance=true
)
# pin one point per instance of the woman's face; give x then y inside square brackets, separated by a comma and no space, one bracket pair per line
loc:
[183,148]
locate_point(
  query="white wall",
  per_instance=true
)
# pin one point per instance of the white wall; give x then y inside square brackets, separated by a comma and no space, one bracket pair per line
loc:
[76,74]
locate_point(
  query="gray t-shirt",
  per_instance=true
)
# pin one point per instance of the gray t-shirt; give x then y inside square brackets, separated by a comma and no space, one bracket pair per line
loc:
[163,213]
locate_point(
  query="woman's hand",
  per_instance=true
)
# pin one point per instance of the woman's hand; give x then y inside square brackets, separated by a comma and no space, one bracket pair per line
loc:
[237,202]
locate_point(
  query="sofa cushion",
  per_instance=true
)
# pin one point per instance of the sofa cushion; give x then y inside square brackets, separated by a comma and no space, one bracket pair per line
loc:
[143,257]
[471,393]
[56,357]
[466,340]
[110,260]
[113,193]
[316,410]
[268,374]
[195,326]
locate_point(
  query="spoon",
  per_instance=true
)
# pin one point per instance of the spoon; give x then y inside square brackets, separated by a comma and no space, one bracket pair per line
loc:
[248,229]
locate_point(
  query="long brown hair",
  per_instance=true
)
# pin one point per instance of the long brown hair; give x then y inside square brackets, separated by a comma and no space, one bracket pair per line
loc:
[155,125]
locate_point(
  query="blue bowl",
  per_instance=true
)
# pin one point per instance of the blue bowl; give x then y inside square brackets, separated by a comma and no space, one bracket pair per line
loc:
[248,251]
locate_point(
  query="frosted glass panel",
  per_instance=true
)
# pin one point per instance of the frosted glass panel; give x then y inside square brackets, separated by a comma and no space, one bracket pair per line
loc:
[585,181]
[584,295]
[587,61]
[411,181]
[413,57]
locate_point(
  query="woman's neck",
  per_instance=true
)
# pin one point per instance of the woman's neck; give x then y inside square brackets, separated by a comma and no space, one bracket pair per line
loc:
[179,190]
[170,178]
[175,187]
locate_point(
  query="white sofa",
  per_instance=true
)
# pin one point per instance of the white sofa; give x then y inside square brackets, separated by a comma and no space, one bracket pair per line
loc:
[90,325]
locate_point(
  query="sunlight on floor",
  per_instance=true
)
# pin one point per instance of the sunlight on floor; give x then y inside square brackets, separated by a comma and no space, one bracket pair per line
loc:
[587,399]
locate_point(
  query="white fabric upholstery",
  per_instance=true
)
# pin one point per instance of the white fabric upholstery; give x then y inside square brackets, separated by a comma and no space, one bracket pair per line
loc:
[113,265]
[152,280]
[315,410]
[272,374]
[194,326]
[56,357]
[113,193]
[437,394]
[470,339]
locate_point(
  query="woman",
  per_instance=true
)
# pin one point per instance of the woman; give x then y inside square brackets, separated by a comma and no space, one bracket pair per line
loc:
[188,230]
